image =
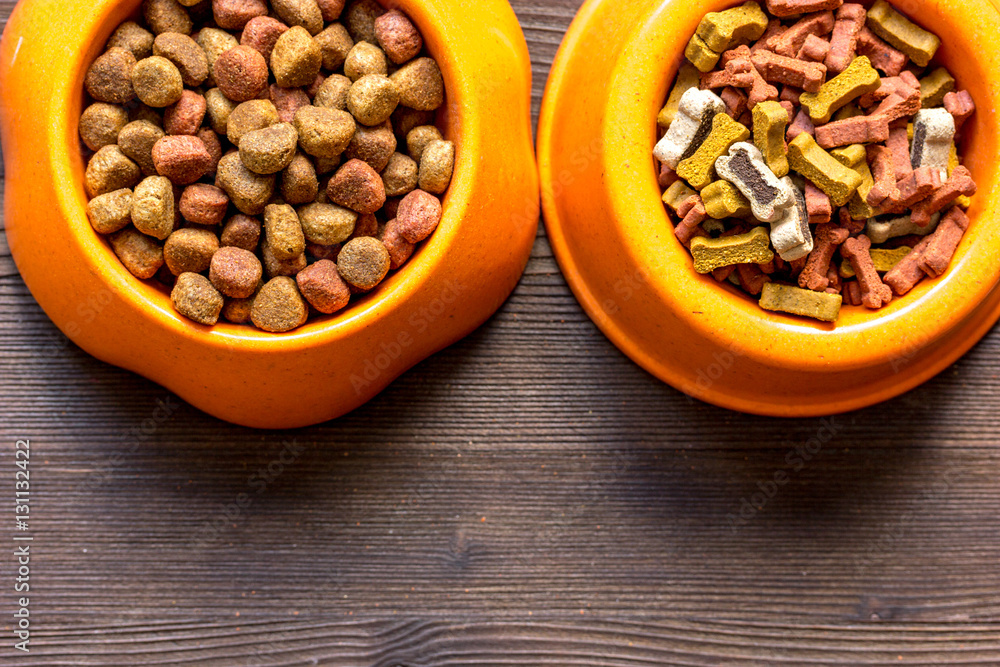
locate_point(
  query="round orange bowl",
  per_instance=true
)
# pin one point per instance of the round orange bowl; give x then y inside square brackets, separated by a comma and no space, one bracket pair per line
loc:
[454,283]
[615,244]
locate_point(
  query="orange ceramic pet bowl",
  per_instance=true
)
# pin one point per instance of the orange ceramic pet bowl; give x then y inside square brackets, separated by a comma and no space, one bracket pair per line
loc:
[613,240]
[453,284]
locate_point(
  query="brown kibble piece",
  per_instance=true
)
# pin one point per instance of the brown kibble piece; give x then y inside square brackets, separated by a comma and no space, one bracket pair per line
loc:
[214,43]
[288,101]
[100,125]
[185,54]
[299,184]
[400,250]
[194,297]
[109,170]
[269,150]
[157,82]
[333,93]
[373,145]
[186,115]
[398,37]
[436,166]
[418,138]
[111,211]
[238,311]
[358,187]
[262,33]
[241,231]
[274,267]
[323,287]
[420,84]
[218,108]
[140,254]
[399,176]
[167,16]
[241,73]
[134,38]
[296,59]
[330,9]
[204,204]
[418,216]
[365,58]
[136,140]
[212,145]
[248,191]
[324,132]
[367,225]
[236,14]
[360,17]
[190,250]
[372,99]
[363,263]
[327,224]
[300,13]
[235,272]
[153,211]
[250,116]
[278,306]
[182,158]
[405,119]
[335,44]
[109,79]
[283,232]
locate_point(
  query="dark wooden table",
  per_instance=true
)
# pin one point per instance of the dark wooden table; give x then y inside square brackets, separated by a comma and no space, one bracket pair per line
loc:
[528,497]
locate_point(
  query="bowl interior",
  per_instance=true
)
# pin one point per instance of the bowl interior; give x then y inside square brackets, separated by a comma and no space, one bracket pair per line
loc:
[154,298]
[967,29]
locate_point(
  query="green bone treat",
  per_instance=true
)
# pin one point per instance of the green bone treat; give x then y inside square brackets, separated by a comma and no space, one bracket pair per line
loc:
[934,87]
[884,260]
[858,79]
[770,122]
[687,78]
[700,55]
[723,30]
[837,181]
[722,200]
[754,247]
[698,169]
[787,299]
[900,32]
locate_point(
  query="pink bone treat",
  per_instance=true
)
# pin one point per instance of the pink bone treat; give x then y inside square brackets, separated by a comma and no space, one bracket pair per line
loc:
[735,99]
[850,224]
[898,144]
[775,68]
[827,239]
[801,123]
[884,173]
[752,279]
[792,7]
[692,213]
[856,130]
[814,49]
[944,242]
[907,273]
[774,28]
[852,293]
[818,205]
[874,293]
[789,42]
[916,186]
[881,55]
[959,183]
[844,42]
[960,105]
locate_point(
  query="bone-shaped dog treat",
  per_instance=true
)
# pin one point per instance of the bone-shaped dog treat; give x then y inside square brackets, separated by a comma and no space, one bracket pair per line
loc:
[722,30]
[933,134]
[935,86]
[874,293]
[752,279]
[769,122]
[836,282]
[907,273]
[693,123]
[736,72]
[698,169]
[906,36]
[880,231]
[784,8]
[859,78]
[837,181]
[851,293]
[828,238]
[959,183]
[817,205]
[944,242]
[693,212]
[801,124]
[791,235]
[855,157]
[736,101]
[745,168]
[752,247]
[843,43]
[787,299]
[899,145]
[953,163]
[884,188]
[677,194]
[808,76]
[790,94]
[774,28]
[915,186]
[882,56]
[883,259]
[902,103]
[760,90]
[856,130]
[688,77]
[849,223]
[814,49]
[960,106]
[788,42]
[700,55]
[722,200]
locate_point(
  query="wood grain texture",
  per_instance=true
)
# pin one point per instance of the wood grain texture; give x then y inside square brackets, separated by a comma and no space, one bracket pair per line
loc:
[527,497]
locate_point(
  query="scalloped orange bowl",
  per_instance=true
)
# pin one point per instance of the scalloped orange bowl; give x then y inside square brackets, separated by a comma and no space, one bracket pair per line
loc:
[332,365]
[613,241]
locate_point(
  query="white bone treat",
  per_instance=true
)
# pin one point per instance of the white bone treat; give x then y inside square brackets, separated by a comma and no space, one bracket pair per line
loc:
[745,168]
[791,236]
[933,135]
[693,123]
[880,231]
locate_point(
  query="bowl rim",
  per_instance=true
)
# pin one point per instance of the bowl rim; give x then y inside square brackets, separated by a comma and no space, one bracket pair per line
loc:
[154,299]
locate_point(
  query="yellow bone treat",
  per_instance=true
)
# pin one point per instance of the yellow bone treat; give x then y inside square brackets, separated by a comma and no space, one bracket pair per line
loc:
[722,200]
[754,247]
[964,201]
[677,194]
[837,181]
[850,156]
[687,78]
[699,169]
[700,55]
[855,157]
[934,87]
[884,260]
[770,121]
[726,29]
[787,299]
[858,79]
[901,33]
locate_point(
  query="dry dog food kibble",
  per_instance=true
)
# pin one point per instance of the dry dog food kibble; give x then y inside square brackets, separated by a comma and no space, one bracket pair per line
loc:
[268,159]
[829,122]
